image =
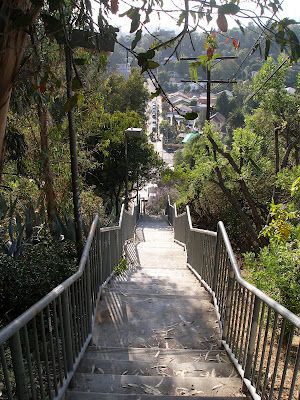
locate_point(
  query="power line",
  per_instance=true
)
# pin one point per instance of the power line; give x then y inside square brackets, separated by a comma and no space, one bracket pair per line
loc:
[251,51]
[267,80]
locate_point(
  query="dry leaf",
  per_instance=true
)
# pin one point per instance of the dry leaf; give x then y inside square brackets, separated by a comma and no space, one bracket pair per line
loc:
[100,370]
[151,390]
[195,392]
[158,385]
[217,387]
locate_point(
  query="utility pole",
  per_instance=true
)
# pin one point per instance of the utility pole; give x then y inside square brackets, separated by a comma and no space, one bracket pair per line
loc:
[208,92]
[209,81]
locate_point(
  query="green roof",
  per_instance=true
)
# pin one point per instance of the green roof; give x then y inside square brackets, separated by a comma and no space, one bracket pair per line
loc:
[189,137]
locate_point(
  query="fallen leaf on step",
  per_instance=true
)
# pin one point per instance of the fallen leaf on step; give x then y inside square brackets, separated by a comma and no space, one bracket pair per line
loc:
[99,371]
[157,354]
[196,392]
[125,372]
[206,355]
[129,385]
[182,391]
[216,387]
[158,385]
[151,390]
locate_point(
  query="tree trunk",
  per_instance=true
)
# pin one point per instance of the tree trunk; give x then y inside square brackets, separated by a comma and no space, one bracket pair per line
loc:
[288,151]
[257,219]
[48,177]
[4,101]
[236,205]
[43,116]
[296,155]
[74,160]
[12,45]
[117,205]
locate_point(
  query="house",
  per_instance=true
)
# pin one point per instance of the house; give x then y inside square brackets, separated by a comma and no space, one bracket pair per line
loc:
[190,136]
[179,100]
[218,120]
[290,90]
[203,99]
[173,117]
[178,96]
[227,92]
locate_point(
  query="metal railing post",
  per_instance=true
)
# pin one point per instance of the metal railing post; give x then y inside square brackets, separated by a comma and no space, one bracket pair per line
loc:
[67,329]
[252,338]
[89,295]
[18,366]
[228,303]
[216,261]
[109,252]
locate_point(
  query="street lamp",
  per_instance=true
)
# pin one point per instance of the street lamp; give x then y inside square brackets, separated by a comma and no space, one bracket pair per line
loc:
[129,131]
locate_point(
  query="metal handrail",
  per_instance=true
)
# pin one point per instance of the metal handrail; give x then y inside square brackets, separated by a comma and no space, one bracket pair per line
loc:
[40,350]
[258,333]
[27,315]
[294,319]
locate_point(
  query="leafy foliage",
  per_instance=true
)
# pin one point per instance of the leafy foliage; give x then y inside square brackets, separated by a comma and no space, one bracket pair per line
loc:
[28,278]
[276,268]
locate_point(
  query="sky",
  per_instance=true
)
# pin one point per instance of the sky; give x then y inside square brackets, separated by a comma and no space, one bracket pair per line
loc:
[291,9]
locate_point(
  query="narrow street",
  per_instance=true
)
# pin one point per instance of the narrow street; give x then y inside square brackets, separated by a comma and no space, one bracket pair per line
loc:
[154,118]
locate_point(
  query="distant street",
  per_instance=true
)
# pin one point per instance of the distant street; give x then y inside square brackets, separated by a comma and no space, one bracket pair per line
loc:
[154,114]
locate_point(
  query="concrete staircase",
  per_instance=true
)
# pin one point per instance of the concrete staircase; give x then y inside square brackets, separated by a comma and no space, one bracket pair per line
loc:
[156,333]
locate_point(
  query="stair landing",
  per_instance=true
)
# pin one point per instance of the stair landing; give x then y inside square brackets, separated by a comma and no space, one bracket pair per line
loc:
[156,333]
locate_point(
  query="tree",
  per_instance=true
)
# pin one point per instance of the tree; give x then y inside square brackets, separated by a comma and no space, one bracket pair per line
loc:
[223,105]
[125,94]
[16,16]
[62,17]
[107,148]
[245,174]
[168,131]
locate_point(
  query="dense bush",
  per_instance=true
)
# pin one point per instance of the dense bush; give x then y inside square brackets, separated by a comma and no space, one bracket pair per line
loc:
[276,269]
[27,278]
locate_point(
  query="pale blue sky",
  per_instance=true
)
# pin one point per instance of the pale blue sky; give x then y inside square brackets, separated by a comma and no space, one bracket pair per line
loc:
[291,9]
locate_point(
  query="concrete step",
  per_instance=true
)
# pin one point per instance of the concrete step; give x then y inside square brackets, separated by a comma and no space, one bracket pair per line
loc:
[145,368]
[125,291]
[157,291]
[75,395]
[130,321]
[155,273]
[180,287]
[164,281]
[157,355]
[162,244]
[157,385]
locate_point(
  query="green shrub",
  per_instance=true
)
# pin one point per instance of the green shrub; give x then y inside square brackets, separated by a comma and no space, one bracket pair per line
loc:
[29,277]
[276,271]
[121,267]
